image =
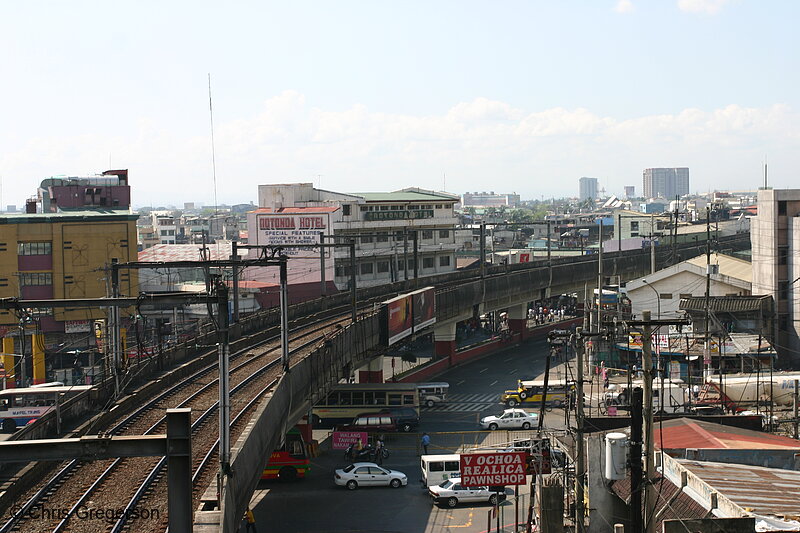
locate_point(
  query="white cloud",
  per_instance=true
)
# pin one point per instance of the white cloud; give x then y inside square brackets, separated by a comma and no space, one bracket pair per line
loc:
[709,7]
[479,144]
[623,6]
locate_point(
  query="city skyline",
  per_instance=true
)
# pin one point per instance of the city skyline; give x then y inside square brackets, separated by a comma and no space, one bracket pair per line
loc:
[516,98]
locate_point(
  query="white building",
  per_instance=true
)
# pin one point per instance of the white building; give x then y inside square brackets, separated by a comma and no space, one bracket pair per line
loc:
[661,292]
[665,182]
[775,237]
[587,188]
[381,224]
[489,199]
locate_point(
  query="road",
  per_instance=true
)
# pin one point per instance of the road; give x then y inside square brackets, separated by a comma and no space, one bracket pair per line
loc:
[317,505]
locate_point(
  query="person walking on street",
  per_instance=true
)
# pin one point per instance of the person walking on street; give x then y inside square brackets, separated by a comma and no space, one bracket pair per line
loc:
[426,441]
[250,520]
[379,451]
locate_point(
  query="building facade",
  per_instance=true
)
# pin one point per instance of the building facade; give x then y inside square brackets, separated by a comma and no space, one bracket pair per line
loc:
[62,255]
[587,188]
[775,238]
[382,225]
[489,199]
[665,182]
[108,190]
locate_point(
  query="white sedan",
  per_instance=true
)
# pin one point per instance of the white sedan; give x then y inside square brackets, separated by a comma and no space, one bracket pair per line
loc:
[451,492]
[510,419]
[367,475]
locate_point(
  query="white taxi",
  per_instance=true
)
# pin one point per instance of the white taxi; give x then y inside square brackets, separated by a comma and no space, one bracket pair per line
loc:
[510,419]
[451,492]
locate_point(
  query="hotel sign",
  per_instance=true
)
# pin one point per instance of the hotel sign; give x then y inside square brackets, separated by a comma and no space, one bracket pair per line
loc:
[398,215]
[278,229]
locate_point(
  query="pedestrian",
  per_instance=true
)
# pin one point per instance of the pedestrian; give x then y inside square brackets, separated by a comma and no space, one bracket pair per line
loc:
[379,451]
[426,441]
[250,520]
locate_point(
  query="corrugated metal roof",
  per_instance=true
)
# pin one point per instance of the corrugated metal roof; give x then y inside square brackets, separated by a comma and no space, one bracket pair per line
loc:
[406,196]
[672,502]
[728,266]
[756,489]
[683,433]
[729,304]
[296,210]
[187,252]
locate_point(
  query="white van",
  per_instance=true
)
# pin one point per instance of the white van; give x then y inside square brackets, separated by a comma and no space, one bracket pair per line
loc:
[432,393]
[437,469]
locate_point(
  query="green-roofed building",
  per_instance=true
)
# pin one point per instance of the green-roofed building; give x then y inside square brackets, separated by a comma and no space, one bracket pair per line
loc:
[383,225]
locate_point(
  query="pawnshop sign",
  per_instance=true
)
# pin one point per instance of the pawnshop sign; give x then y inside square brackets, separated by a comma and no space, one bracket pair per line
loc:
[502,468]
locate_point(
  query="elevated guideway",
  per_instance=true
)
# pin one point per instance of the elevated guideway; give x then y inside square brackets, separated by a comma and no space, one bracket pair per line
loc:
[457,295]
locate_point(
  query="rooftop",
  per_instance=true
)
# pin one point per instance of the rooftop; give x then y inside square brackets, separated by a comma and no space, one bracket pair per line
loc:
[682,433]
[728,266]
[187,252]
[408,195]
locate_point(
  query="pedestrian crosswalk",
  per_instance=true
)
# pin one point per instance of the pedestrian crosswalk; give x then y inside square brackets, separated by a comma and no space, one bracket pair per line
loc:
[467,402]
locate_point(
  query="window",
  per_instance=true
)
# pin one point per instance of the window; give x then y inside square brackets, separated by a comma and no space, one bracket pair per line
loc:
[634,226]
[364,209]
[366,240]
[413,207]
[782,208]
[366,268]
[783,255]
[444,260]
[427,234]
[346,210]
[783,290]
[401,265]
[665,296]
[427,262]
[438,206]
[383,236]
[34,248]
[395,208]
[384,208]
[383,267]
[30,279]
[686,295]
[398,236]
[444,234]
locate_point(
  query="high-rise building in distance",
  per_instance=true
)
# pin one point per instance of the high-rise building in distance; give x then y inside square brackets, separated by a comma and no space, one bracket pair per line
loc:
[630,191]
[587,188]
[665,182]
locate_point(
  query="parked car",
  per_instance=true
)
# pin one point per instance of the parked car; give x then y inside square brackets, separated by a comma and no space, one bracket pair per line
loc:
[368,475]
[451,492]
[510,419]
[371,422]
[407,418]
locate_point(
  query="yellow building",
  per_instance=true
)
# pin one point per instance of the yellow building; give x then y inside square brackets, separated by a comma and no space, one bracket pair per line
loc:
[62,255]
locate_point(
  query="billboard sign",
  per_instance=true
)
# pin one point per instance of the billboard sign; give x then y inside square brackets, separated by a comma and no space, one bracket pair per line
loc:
[341,440]
[424,307]
[397,319]
[77,326]
[500,468]
[282,229]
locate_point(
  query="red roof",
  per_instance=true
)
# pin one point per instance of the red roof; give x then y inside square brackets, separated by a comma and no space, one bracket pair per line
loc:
[296,210]
[683,433]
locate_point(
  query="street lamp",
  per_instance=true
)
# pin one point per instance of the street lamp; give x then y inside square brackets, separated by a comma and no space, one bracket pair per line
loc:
[658,298]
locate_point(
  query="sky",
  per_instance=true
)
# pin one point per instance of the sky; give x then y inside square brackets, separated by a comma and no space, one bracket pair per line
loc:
[373,95]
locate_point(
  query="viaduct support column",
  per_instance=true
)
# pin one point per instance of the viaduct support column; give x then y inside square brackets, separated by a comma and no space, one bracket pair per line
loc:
[518,320]
[373,372]
[8,362]
[39,376]
[444,340]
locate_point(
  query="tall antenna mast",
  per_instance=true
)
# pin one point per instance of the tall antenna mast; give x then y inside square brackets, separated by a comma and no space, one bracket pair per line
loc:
[213,154]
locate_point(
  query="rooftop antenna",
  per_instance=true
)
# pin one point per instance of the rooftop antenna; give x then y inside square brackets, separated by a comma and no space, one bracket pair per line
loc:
[444,181]
[765,171]
[213,154]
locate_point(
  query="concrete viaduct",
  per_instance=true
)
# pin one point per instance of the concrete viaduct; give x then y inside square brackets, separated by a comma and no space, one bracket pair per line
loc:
[458,296]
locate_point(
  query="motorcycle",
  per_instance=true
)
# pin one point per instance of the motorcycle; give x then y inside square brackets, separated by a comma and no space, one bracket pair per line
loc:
[364,454]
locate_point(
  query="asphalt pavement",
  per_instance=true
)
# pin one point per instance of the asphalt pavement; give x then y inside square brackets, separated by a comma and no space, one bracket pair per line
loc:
[316,504]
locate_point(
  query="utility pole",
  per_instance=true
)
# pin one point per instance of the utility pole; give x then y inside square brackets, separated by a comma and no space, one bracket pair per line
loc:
[600,280]
[707,338]
[284,273]
[483,250]
[647,367]
[580,464]
[235,271]
[113,328]
[636,460]
[416,254]
[652,245]
[353,308]
[224,387]
[796,424]
[323,283]
[405,255]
